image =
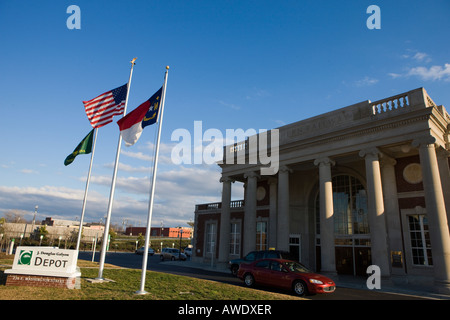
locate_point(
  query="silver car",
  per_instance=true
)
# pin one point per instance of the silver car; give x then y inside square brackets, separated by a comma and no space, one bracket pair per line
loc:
[172,254]
[141,251]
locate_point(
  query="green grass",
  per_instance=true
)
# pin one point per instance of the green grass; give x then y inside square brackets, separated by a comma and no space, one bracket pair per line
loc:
[160,286]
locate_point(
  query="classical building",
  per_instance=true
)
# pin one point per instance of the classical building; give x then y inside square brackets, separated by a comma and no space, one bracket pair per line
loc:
[367,184]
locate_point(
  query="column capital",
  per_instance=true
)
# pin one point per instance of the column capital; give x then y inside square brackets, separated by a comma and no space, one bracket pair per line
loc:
[372,151]
[442,153]
[285,169]
[226,179]
[272,180]
[251,174]
[387,161]
[423,141]
[324,161]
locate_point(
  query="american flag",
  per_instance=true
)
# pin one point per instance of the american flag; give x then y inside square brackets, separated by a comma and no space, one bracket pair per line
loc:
[101,110]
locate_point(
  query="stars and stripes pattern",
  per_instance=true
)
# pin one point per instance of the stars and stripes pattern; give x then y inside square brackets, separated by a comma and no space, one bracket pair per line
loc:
[101,110]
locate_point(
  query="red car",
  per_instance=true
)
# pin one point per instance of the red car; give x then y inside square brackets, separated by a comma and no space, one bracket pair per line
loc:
[285,274]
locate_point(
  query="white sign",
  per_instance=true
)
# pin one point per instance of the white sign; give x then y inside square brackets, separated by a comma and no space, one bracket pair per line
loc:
[45,261]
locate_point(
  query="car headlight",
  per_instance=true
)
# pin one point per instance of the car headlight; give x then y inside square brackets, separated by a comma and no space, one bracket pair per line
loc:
[315,281]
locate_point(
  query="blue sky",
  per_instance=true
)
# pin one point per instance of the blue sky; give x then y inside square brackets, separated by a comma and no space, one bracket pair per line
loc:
[233,64]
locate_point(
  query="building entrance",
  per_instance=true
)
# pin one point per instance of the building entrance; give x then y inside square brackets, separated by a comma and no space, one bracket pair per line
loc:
[351,227]
[352,260]
[295,247]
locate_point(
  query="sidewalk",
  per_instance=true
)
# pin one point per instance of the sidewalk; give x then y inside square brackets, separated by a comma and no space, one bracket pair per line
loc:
[343,281]
[354,282]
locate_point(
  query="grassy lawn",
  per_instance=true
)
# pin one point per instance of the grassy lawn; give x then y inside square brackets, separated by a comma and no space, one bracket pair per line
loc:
[161,286]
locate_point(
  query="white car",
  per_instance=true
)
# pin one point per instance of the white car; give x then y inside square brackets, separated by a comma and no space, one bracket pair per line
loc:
[141,251]
[188,251]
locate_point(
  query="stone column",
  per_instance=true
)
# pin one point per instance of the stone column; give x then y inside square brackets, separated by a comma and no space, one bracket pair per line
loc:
[436,213]
[327,250]
[394,228]
[249,243]
[224,242]
[444,172]
[283,209]
[273,202]
[376,212]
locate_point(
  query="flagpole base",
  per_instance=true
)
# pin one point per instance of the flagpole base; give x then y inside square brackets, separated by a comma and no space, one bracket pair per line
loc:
[99,280]
[140,292]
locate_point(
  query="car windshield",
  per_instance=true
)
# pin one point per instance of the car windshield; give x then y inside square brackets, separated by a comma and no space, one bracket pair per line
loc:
[295,266]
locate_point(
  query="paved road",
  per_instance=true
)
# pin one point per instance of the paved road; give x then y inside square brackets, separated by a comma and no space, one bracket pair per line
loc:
[134,261]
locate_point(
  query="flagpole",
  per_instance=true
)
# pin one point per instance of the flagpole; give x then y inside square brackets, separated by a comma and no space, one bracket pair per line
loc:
[86,192]
[113,186]
[141,291]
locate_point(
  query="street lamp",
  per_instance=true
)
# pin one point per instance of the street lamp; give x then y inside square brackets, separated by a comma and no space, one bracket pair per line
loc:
[40,241]
[181,236]
[34,218]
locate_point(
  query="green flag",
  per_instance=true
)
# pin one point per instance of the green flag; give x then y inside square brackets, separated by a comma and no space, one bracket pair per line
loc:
[85,147]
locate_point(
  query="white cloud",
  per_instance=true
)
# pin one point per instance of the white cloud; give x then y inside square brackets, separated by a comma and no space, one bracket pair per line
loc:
[432,73]
[128,168]
[165,150]
[137,155]
[421,56]
[229,105]
[29,171]
[177,192]
[52,201]
[395,75]
[417,56]
[257,93]
[366,81]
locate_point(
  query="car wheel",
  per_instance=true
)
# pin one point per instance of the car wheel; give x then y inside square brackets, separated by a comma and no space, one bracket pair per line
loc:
[234,270]
[249,280]
[161,257]
[300,288]
[173,258]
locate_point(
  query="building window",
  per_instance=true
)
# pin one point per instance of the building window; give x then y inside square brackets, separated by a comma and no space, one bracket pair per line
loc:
[261,235]
[420,240]
[235,238]
[210,238]
[349,205]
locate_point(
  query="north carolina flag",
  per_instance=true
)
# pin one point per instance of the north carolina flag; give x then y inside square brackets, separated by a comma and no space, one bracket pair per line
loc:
[146,114]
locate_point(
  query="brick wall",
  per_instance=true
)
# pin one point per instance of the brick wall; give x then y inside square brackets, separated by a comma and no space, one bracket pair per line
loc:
[413,199]
[40,281]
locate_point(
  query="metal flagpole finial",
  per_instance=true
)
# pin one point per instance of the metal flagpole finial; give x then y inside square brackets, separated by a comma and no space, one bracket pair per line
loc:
[133,61]
[167,67]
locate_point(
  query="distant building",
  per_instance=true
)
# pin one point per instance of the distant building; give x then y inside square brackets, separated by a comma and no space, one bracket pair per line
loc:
[60,222]
[160,232]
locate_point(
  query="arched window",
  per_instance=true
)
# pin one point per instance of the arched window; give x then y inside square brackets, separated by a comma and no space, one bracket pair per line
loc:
[350,207]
